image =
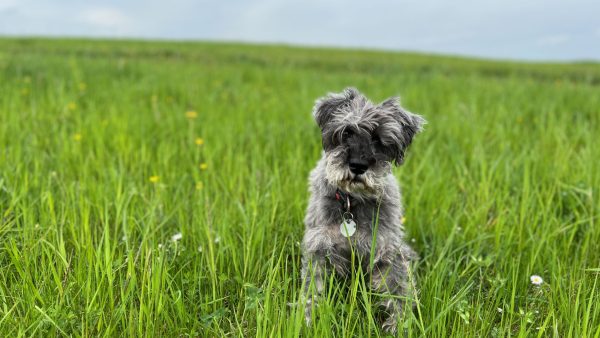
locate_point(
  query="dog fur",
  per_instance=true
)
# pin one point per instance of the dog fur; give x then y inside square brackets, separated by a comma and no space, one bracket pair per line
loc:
[354,130]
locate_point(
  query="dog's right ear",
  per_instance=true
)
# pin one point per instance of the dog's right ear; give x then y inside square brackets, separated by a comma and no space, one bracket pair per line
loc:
[410,124]
[326,106]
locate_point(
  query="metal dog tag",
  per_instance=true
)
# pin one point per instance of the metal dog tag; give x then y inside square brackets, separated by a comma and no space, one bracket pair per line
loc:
[348,227]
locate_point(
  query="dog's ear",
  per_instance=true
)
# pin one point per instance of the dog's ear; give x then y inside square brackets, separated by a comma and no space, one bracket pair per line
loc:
[326,106]
[410,125]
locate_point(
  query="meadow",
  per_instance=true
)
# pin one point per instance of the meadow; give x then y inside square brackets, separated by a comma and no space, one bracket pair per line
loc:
[159,189]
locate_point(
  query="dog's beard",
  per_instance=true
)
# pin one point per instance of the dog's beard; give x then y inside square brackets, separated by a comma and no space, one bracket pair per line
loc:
[371,183]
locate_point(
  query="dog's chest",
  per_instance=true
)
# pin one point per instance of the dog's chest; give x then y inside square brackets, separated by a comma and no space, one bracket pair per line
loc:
[357,240]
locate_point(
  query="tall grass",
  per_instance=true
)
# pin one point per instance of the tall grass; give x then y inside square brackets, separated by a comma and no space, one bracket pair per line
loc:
[100,166]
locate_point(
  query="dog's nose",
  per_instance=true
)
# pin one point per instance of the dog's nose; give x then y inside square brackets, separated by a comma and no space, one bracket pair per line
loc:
[358,167]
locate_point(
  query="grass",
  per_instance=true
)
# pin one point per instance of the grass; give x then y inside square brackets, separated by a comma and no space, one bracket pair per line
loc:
[100,167]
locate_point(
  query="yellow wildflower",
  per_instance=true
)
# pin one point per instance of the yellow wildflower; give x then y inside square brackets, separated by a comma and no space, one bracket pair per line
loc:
[402,220]
[199,185]
[154,179]
[77,137]
[199,141]
[72,106]
[203,166]
[191,114]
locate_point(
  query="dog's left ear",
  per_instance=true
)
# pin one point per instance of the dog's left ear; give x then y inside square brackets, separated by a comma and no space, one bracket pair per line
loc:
[326,107]
[410,125]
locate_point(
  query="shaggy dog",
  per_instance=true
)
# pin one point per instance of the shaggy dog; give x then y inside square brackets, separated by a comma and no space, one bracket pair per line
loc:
[355,200]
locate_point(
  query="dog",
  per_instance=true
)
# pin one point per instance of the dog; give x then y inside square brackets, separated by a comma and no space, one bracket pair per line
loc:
[355,201]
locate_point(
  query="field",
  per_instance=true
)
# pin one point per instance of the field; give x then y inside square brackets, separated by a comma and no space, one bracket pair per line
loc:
[159,189]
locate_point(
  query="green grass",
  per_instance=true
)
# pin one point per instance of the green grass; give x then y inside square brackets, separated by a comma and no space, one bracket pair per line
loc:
[503,184]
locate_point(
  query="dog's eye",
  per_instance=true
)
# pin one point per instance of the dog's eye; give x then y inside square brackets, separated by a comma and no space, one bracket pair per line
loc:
[347,133]
[376,139]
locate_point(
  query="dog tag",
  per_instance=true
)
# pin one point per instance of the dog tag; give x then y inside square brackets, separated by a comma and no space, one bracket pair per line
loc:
[348,228]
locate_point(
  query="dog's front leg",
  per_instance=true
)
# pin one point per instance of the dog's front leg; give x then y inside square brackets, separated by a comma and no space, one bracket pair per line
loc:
[390,280]
[314,271]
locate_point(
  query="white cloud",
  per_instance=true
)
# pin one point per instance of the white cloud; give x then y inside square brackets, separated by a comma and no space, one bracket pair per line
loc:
[553,40]
[105,17]
[7,4]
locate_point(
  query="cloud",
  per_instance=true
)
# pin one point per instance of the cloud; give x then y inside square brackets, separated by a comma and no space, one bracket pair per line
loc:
[105,18]
[553,40]
[6,5]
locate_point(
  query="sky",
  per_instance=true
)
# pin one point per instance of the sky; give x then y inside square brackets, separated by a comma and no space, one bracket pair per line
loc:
[535,30]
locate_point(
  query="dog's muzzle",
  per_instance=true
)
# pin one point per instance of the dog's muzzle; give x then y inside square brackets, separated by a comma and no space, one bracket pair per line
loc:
[358,167]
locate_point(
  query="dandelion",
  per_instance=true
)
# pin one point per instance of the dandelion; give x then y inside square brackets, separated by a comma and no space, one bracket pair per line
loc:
[402,220]
[72,106]
[176,237]
[154,179]
[536,280]
[77,137]
[199,185]
[203,166]
[191,114]
[199,141]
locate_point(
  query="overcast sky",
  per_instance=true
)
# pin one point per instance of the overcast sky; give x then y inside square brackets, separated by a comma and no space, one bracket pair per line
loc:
[508,29]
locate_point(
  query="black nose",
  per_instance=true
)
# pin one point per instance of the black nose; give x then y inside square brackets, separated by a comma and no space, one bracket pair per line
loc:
[358,167]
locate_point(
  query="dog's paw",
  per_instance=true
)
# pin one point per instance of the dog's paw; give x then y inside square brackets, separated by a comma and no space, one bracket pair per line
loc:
[308,316]
[390,325]
[308,310]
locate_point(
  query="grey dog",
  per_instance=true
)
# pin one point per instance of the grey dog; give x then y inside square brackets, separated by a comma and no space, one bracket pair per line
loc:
[355,200]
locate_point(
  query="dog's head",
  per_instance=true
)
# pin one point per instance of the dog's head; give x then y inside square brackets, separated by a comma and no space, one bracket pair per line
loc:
[362,140]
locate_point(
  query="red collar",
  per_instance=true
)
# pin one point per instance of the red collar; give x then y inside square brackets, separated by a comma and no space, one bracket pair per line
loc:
[344,199]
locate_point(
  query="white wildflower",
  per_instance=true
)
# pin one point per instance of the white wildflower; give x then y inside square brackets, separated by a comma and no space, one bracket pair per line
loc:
[536,280]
